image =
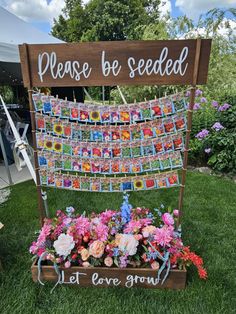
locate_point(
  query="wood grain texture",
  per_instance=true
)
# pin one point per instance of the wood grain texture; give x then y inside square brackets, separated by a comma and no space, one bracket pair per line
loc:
[127,277]
[92,53]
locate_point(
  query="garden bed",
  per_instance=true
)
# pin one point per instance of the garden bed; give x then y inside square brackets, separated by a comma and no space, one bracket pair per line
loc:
[110,277]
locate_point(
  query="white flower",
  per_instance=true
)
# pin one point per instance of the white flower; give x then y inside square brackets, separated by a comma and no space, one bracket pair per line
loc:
[64,244]
[128,244]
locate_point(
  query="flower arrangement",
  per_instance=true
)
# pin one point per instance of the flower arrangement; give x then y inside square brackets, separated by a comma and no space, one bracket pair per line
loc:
[131,237]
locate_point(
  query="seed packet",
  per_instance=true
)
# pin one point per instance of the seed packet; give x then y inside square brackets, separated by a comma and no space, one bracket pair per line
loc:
[178,142]
[95,115]
[159,128]
[95,185]
[146,165]
[168,144]
[47,108]
[127,185]
[106,152]
[155,164]
[135,166]
[40,123]
[106,135]
[42,160]
[124,114]
[96,135]
[165,162]
[85,134]
[75,183]
[76,149]
[95,166]
[67,148]
[146,111]
[125,135]
[67,164]
[48,143]
[58,181]
[135,151]
[135,132]
[49,124]
[38,104]
[96,152]
[116,152]
[115,167]
[40,140]
[167,106]
[76,165]
[67,181]
[85,183]
[156,109]
[138,184]
[105,167]
[67,130]
[83,114]
[86,152]
[115,185]
[86,166]
[150,184]
[43,177]
[135,113]
[158,146]
[176,160]
[161,181]
[169,126]
[50,162]
[76,134]
[179,102]
[105,185]
[115,134]
[58,163]
[105,114]
[147,149]
[57,128]
[114,116]
[179,123]
[56,107]
[74,111]
[125,166]
[147,132]
[172,179]
[65,109]
[126,151]
[51,179]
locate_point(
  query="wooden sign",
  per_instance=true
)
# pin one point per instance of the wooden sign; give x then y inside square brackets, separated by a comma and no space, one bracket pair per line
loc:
[110,277]
[114,63]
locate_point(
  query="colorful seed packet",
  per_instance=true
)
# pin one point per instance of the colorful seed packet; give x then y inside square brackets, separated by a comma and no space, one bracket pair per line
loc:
[43,177]
[135,166]
[165,162]
[58,163]
[95,185]
[58,181]
[67,164]
[76,149]
[115,167]
[95,167]
[147,149]
[126,151]
[146,111]
[56,107]
[76,134]
[125,167]
[42,160]
[159,128]
[85,134]
[83,114]
[50,162]
[67,130]
[169,126]
[124,114]
[86,152]
[96,135]
[96,152]
[146,165]
[115,185]
[47,108]
[172,180]
[67,148]
[136,114]
[38,104]
[85,183]
[138,184]
[115,134]
[179,102]
[86,166]
[176,160]
[115,117]
[158,146]
[58,128]
[127,185]
[106,135]
[125,135]
[95,115]
[105,185]
[168,144]
[106,152]
[40,123]
[135,132]
[76,165]
[75,183]
[155,164]
[105,167]
[178,142]
[116,152]
[51,179]
[156,109]
[74,111]
[150,184]
[40,140]
[48,143]
[136,151]
[65,109]
[105,114]
[161,181]
[167,106]
[67,181]
[147,132]
[180,123]
[49,125]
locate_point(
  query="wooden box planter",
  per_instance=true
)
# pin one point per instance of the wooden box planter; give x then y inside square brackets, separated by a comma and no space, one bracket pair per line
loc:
[110,277]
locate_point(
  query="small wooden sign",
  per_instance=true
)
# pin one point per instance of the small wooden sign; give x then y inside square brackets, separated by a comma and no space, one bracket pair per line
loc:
[110,277]
[114,63]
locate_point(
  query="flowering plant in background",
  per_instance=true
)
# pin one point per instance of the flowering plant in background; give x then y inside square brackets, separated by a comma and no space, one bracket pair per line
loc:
[147,239]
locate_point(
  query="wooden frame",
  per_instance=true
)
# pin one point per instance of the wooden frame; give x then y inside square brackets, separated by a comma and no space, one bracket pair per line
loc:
[114,57]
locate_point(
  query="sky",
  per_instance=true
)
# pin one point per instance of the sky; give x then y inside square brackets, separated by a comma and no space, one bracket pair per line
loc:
[41,13]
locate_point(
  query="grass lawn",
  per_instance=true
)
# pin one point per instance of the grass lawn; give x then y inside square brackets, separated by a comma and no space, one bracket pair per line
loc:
[208,226]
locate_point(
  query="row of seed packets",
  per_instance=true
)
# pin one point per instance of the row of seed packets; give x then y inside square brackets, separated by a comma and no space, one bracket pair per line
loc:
[109,150]
[109,184]
[134,165]
[129,113]
[103,133]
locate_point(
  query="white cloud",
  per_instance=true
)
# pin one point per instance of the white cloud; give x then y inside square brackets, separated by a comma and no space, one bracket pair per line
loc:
[164,8]
[34,10]
[193,8]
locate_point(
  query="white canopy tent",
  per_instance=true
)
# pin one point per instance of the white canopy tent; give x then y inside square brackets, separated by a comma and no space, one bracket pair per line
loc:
[15,31]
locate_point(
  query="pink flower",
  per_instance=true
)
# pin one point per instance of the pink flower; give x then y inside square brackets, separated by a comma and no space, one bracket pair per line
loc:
[106,216]
[96,249]
[164,235]
[155,265]
[67,264]
[132,227]
[167,219]
[101,232]
[86,264]
[176,212]
[147,231]
[82,225]
[108,261]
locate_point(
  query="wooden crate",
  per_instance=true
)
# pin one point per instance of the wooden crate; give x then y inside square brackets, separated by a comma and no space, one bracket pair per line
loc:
[110,277]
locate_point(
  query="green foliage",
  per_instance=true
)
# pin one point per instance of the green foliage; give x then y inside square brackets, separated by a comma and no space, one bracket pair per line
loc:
[7,94]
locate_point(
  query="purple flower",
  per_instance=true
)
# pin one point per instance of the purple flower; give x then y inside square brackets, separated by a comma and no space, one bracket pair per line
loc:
[187,93]
[214,104]
[224,107]
[207,150]
[196,106]
[217,126]
[202,134]
[198,93]
[203,100]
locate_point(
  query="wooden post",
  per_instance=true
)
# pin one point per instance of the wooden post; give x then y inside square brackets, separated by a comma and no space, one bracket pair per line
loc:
[189,126]
[33,125]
